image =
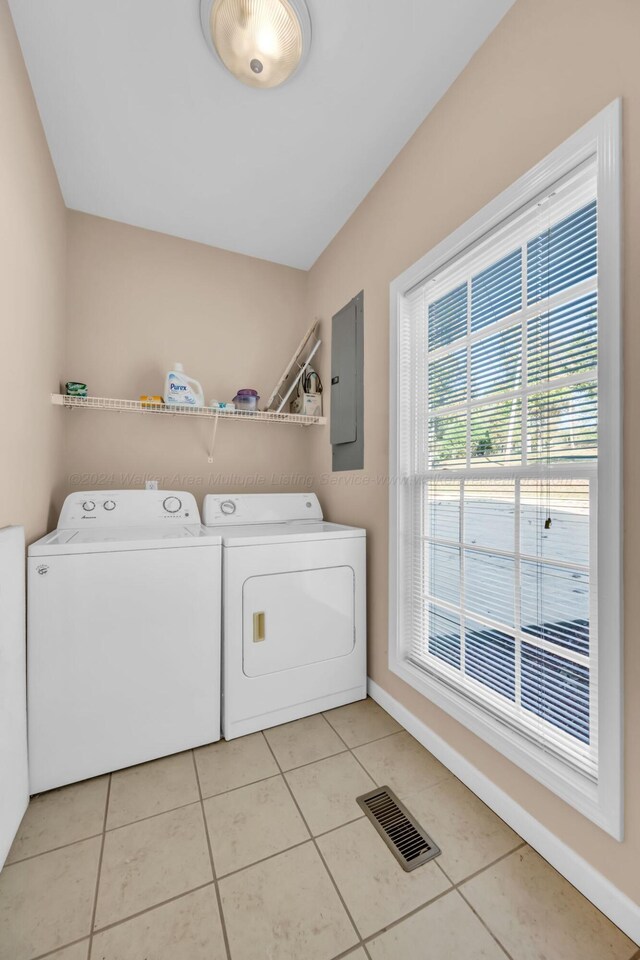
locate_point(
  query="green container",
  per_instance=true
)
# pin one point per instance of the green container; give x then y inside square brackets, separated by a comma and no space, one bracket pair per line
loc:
[74,389]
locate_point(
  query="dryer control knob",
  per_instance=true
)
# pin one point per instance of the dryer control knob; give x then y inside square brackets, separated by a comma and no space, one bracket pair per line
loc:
[172,504]
[88,506]
[227,507]
[109,504]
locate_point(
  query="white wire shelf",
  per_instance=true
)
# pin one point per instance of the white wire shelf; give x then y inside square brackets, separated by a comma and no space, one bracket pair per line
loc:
[207,413]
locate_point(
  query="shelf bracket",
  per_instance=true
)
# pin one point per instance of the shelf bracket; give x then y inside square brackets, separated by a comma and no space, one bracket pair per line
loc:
[212,442]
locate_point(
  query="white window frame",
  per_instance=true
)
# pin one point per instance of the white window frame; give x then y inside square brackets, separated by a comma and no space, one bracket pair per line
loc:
[601,801]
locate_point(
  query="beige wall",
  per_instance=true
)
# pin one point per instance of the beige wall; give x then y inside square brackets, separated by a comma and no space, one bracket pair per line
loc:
[32,298]
[546,70]
[139,301]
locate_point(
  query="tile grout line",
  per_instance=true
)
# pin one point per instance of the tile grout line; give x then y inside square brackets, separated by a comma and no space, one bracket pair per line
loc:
[160,813]
[251,783]
[385,736]
[313,838]
[411,913]
[346,953]
[341,956]
[193,803]
[310,763]
[152,816]
[123,920]
[484,924]
[282,773]
[181,806]
[476,873]
[97,890]
[351,750]
[65,946]
[223,925]
[454,886]
[456,889]
[365,743]
[255,863]
[361,764]
[425,906]
[154,906]
[359,946]
[92,836]
[319,852]
[43,853]
[347,823]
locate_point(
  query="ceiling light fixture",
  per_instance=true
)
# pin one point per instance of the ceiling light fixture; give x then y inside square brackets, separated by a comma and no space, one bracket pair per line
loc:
[261,42]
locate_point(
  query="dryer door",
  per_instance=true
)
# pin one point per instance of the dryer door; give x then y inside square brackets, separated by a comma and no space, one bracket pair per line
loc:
[297,618]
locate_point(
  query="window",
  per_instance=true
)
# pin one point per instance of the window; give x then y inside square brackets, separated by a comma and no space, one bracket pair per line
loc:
[506,515]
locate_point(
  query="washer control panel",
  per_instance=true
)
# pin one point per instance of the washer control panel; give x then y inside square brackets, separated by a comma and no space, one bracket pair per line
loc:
[127,508]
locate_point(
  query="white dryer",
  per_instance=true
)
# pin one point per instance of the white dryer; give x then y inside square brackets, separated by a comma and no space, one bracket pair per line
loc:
[294,619]
[123,635]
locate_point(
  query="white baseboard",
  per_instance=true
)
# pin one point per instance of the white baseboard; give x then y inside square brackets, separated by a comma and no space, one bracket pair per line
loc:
[600,891]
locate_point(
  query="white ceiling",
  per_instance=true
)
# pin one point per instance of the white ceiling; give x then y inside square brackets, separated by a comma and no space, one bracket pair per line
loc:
[146,127]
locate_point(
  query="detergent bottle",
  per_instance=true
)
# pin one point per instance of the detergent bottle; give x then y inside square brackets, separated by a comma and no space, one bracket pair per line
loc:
[181,389]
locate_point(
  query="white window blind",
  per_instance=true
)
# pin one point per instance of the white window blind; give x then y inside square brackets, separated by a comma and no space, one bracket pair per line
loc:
[498,438]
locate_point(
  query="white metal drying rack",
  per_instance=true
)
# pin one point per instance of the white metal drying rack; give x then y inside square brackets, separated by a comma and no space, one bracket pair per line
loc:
[175,410]
[295,369]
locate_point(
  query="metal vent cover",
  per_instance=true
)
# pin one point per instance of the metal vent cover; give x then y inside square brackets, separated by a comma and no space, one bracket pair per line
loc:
[402,833]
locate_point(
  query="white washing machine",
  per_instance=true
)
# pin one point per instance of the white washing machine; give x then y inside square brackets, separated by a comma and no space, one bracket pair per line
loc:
[123,635]
[293,602]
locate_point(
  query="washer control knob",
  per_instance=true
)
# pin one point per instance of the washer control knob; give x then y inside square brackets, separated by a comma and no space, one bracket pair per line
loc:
[227,507]
[172,504]
[109,504]
[88,506]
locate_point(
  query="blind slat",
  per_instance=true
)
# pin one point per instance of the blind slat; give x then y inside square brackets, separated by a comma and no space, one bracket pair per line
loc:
[496,292]
[500,587]
[563,255]
[448,318]
[564,341]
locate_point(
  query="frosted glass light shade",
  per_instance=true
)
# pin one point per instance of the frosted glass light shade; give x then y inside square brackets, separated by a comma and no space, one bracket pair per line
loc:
[261,42]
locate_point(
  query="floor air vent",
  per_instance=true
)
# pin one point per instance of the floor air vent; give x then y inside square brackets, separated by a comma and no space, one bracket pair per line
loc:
[404,836]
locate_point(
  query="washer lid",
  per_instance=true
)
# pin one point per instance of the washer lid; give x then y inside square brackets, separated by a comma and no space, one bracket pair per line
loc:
[104,540]
[293,531]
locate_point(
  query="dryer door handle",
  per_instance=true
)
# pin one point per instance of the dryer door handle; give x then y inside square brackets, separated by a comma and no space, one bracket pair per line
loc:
[258,627]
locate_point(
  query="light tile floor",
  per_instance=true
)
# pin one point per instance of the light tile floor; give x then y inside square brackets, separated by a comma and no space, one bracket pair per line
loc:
[256,850]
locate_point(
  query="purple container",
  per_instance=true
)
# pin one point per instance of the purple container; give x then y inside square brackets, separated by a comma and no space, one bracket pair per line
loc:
[246,399]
